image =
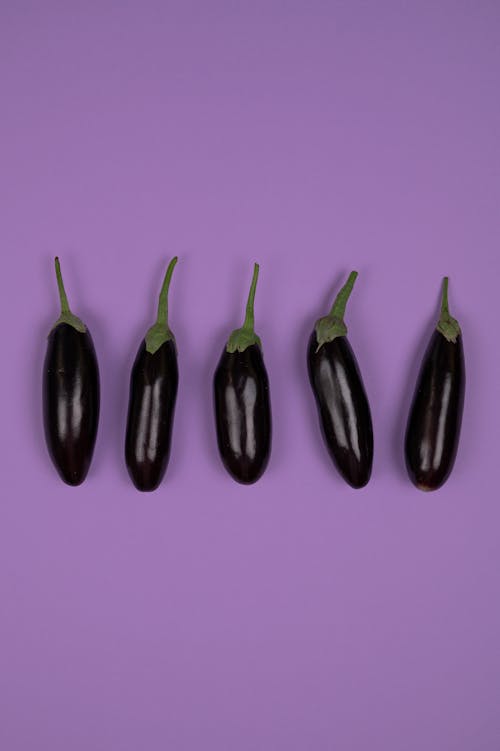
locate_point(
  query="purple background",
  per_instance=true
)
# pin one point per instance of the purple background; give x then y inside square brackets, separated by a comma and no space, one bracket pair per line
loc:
[313,137]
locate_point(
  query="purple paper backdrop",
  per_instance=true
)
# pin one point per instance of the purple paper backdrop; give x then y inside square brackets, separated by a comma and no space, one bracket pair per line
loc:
[313,137]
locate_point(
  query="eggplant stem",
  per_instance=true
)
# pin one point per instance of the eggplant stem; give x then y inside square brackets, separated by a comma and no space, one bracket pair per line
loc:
[60,286]
[444,298]
[447,325]
[332,325]
[245,336]
[66,315]
[249,321]
[339,304]
[162,317]
[159,333]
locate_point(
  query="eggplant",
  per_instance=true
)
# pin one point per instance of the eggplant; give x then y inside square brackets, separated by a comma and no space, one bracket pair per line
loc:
[71,393]
[242,401]
[153,393]
[435,418]
[343,408]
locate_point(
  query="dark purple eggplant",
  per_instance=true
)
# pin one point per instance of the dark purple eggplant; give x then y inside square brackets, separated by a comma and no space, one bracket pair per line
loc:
[343,409]
[71,394]
[435,418]
[242,401]
[153,393]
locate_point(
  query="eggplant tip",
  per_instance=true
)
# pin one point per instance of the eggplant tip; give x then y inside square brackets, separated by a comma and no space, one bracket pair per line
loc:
[73,480]
[425,488]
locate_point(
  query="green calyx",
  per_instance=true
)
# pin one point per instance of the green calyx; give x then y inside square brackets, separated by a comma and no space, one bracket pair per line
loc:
[447,325]
[331,326]
[66,315]
[160,333]
[245,336]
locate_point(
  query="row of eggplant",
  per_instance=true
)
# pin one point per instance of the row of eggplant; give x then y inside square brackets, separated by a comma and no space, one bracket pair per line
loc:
[71,397]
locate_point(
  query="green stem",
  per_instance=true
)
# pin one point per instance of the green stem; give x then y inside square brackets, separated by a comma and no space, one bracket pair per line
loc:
[160,332]
[447,325]
[444,298]
[332,326]
[162,316]
[60,285]
[66,314]
[339,304]
[245,336]
[249,322]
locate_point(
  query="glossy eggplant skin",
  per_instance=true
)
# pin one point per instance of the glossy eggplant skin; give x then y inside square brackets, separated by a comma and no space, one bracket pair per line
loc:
[71,400]
[343,409]
[243,413]
[435,418]
[153,392]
